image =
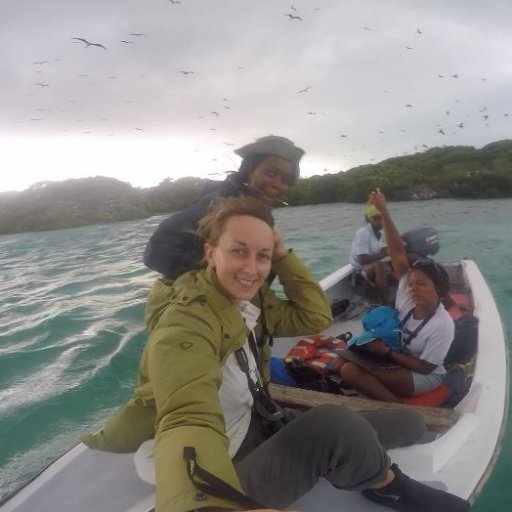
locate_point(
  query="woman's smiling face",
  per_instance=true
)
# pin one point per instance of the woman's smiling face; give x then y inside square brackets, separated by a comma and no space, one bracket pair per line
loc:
[242,256]
[272,177]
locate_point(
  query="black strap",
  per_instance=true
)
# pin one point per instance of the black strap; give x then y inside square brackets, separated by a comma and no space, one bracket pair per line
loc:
[213,485]
[263,405]
[256,353]
[266,337]
[243,362]
[411,335]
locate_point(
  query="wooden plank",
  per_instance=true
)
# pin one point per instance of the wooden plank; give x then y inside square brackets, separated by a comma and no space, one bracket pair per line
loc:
[437,419]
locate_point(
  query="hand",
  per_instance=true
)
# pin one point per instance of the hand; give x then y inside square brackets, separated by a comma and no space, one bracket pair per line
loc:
[377,347]
[377,199]
[280,250]
[337,364]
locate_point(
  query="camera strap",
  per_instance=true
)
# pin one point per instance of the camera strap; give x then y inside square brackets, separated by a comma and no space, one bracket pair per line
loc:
[407,335]
[213,485]
[263,404]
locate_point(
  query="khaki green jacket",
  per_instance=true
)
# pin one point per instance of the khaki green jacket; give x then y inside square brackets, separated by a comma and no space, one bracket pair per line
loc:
[193,328]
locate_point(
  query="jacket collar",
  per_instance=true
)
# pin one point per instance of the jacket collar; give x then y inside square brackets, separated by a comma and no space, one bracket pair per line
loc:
[209,285]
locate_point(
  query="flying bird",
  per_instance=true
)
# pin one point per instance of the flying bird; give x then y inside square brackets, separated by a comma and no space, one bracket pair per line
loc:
[40,62]
[88,43]
[306,89]
[461,125]
[454,76]
[366,28]
[293,8]
[408,105]
[126,42]
[419,31]
[187,72]
[441,131]
[293,17]
[214,113]
[408,48]
[42,85]
[173,2]
[137,34]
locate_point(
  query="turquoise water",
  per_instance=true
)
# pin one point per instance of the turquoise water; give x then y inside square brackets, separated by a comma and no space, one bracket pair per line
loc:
[71,309]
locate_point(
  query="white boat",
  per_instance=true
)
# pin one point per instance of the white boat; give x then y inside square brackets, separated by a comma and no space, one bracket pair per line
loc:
[459,459]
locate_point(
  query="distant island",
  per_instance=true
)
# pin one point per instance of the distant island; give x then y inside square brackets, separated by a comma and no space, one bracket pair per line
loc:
[462,172]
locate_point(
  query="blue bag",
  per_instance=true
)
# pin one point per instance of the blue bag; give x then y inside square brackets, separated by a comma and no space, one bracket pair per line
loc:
[379,323]
[279,373]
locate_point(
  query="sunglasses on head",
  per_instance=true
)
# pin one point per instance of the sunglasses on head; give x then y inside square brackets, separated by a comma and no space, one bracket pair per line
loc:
[426,262]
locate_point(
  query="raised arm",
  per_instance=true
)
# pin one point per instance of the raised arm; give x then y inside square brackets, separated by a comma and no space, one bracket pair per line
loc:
[306,308]
[395,246]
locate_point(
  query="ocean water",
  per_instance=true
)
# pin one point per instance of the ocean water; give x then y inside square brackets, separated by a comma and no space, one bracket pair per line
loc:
[71,317]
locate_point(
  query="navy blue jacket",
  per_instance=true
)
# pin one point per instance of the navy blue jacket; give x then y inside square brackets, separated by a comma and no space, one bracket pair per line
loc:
[174,248]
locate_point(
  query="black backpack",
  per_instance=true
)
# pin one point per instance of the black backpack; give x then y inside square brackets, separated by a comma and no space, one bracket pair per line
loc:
[460,360]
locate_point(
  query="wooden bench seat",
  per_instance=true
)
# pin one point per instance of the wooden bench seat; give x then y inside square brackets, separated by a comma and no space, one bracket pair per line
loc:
[437,419]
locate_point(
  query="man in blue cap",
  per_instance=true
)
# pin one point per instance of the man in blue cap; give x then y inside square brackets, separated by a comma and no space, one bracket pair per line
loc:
[367,253]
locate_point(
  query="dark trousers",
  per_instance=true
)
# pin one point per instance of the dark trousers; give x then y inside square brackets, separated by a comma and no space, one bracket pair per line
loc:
[329,441]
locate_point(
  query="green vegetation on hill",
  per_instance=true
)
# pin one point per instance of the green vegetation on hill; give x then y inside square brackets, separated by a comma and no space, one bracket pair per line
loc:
[455,171]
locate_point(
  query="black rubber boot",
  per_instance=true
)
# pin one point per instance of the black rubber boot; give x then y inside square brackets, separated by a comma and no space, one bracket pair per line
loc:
[404,493]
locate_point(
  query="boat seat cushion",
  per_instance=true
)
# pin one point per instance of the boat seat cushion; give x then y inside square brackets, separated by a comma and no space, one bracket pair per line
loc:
[145,462]
[431,399]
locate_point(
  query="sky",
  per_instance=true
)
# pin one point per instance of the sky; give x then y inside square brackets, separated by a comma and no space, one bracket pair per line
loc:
[177,85]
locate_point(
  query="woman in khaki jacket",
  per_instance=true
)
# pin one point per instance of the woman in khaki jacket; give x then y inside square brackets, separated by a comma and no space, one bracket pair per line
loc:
[220,444]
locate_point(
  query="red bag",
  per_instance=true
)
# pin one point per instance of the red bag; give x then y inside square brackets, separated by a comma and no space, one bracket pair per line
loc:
[316,352]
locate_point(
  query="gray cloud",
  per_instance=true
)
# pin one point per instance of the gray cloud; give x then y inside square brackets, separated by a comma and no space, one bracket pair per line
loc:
[387,75]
